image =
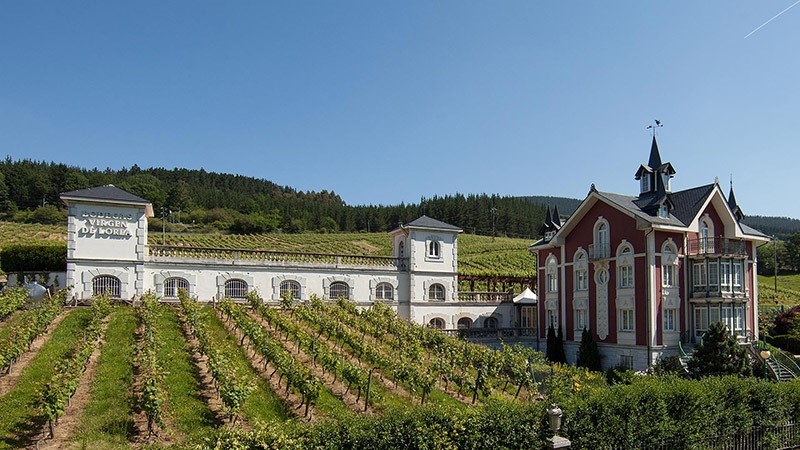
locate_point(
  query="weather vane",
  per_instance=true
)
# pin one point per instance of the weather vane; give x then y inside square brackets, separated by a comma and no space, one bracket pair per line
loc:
[657,125]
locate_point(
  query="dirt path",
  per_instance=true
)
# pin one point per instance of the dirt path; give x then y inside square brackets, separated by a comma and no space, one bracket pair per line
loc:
[69,422]
[265,369]
[207,392]
[387,383]
[9,380]
[337,388]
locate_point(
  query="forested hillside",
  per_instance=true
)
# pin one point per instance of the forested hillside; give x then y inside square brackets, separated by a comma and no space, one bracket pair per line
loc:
[208,201]
[781,227]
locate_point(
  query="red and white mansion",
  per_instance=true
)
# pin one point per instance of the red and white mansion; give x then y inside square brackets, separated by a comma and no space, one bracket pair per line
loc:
[646,273]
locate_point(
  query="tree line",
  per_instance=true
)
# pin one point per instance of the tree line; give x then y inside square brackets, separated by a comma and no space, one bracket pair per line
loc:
[197,200]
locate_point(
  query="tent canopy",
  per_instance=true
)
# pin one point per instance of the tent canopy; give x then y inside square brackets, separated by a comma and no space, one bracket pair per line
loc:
[527,297]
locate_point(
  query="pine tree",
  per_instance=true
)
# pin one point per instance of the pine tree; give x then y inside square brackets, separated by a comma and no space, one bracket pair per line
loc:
[719,354]
[588,353]
[551,344]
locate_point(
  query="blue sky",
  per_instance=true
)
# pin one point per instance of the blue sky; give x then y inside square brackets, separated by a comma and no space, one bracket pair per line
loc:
[385,102]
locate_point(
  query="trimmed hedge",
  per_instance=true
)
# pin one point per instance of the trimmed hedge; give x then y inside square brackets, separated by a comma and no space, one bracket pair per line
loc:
[494,425]
[682,413]
[786,342]
[34,258]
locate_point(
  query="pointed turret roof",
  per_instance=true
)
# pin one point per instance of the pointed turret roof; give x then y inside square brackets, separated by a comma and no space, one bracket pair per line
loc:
[735,209]
[556,217]
[655,157]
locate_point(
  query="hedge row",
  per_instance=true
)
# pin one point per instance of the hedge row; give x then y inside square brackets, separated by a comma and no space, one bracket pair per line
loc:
[34,258]
[682,413]
[656,412]
[787,342]
[493,425]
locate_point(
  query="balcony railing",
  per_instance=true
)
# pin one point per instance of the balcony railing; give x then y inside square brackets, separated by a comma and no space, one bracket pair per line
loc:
[269,256]
[599,251]
[492,333]
[718,246]
[489,297]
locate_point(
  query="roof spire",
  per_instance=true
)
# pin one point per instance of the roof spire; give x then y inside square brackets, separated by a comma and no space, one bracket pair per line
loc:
[556,217]
[655,156]
[735,209]
[548,219]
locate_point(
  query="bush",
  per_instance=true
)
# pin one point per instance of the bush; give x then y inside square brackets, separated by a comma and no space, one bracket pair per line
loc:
[34,258]
[671,365]
[789,343]
[588,353]
[719,354]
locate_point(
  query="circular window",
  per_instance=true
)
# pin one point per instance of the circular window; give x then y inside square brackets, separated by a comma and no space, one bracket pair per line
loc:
[602,276]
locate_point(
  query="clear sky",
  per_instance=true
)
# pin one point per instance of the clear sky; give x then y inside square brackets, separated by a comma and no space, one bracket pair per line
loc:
[385,102]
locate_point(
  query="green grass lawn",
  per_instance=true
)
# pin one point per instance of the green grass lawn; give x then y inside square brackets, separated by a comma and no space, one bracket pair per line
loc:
[185,410]
[107,422]
[788,290]
[19,418]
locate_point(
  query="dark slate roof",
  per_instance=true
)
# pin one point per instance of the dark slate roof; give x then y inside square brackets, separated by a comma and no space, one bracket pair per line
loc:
[752,231]
[629,204]
[428,222]
[687,203]
[108,192]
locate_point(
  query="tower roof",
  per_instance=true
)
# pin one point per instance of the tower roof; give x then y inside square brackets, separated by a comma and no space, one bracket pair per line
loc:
[655,157]
[735,209]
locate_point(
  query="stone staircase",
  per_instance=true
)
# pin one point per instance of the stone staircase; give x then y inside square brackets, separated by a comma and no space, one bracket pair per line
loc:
[782,373]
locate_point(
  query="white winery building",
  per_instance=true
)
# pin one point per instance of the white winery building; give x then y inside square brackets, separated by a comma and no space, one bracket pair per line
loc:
[108,252]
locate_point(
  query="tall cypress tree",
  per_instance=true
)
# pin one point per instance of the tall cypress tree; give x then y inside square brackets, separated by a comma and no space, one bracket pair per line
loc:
[588,353]
[551,344]
[561,355]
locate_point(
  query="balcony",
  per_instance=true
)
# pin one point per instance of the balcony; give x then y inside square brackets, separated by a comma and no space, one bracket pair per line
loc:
[493,333]
[599,251]
[717,246]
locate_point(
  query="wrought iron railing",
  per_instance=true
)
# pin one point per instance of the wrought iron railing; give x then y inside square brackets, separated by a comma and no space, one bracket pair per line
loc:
[270,256]
[599,251]
[717,246]
[780,437]
[490,297]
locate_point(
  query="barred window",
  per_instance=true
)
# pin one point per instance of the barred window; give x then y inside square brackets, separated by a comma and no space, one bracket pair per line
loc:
[340,289]
[106,285]
[437,323]
[172,285]
[236,289]
[464,323]
[490,322]
[290,287]
[436,292]
[384,291]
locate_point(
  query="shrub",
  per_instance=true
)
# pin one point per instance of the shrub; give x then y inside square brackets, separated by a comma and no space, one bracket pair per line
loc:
[588,353]
[719,354]
[34,258]
[789,343]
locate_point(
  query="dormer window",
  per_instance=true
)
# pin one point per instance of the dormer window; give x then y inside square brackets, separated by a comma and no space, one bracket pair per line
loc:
[666,178]
[663,211]
[549,235]
[645,182]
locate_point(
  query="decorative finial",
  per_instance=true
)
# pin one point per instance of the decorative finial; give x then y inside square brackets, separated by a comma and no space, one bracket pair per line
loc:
[656,126]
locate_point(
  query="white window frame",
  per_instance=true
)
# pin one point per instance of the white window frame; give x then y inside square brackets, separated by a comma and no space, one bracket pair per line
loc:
[434,249]
[670,319]
[725,275]
[700,319]
[437,323]
[645,182]
[434,290]
[627,320]
[292,286]
[581,280]
[381,290]
[173,284]
[738,276]
[337,285]
[107,285]
[699,275]
[668,276]
[581,319]
[712,275]
[625,277]
[239,291]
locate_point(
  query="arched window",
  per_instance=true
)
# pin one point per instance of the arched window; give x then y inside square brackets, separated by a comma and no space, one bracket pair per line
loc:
[437,323]
[106,285]
[436,292]
[489,322]
[601,248]
[704,244]
[236,289]
[464,323]
[340,289]
[384,291]
[602,233]
[172,285]
[290,287]
[434,249]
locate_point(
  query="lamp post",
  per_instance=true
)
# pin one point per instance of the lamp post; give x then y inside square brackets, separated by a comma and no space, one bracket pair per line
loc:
[765,354]
[554,415]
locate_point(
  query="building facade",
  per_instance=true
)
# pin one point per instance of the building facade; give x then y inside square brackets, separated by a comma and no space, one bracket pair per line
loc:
[647,274]
[108,252]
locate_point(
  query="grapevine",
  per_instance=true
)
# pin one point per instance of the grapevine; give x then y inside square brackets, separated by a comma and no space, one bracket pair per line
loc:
[33,324]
